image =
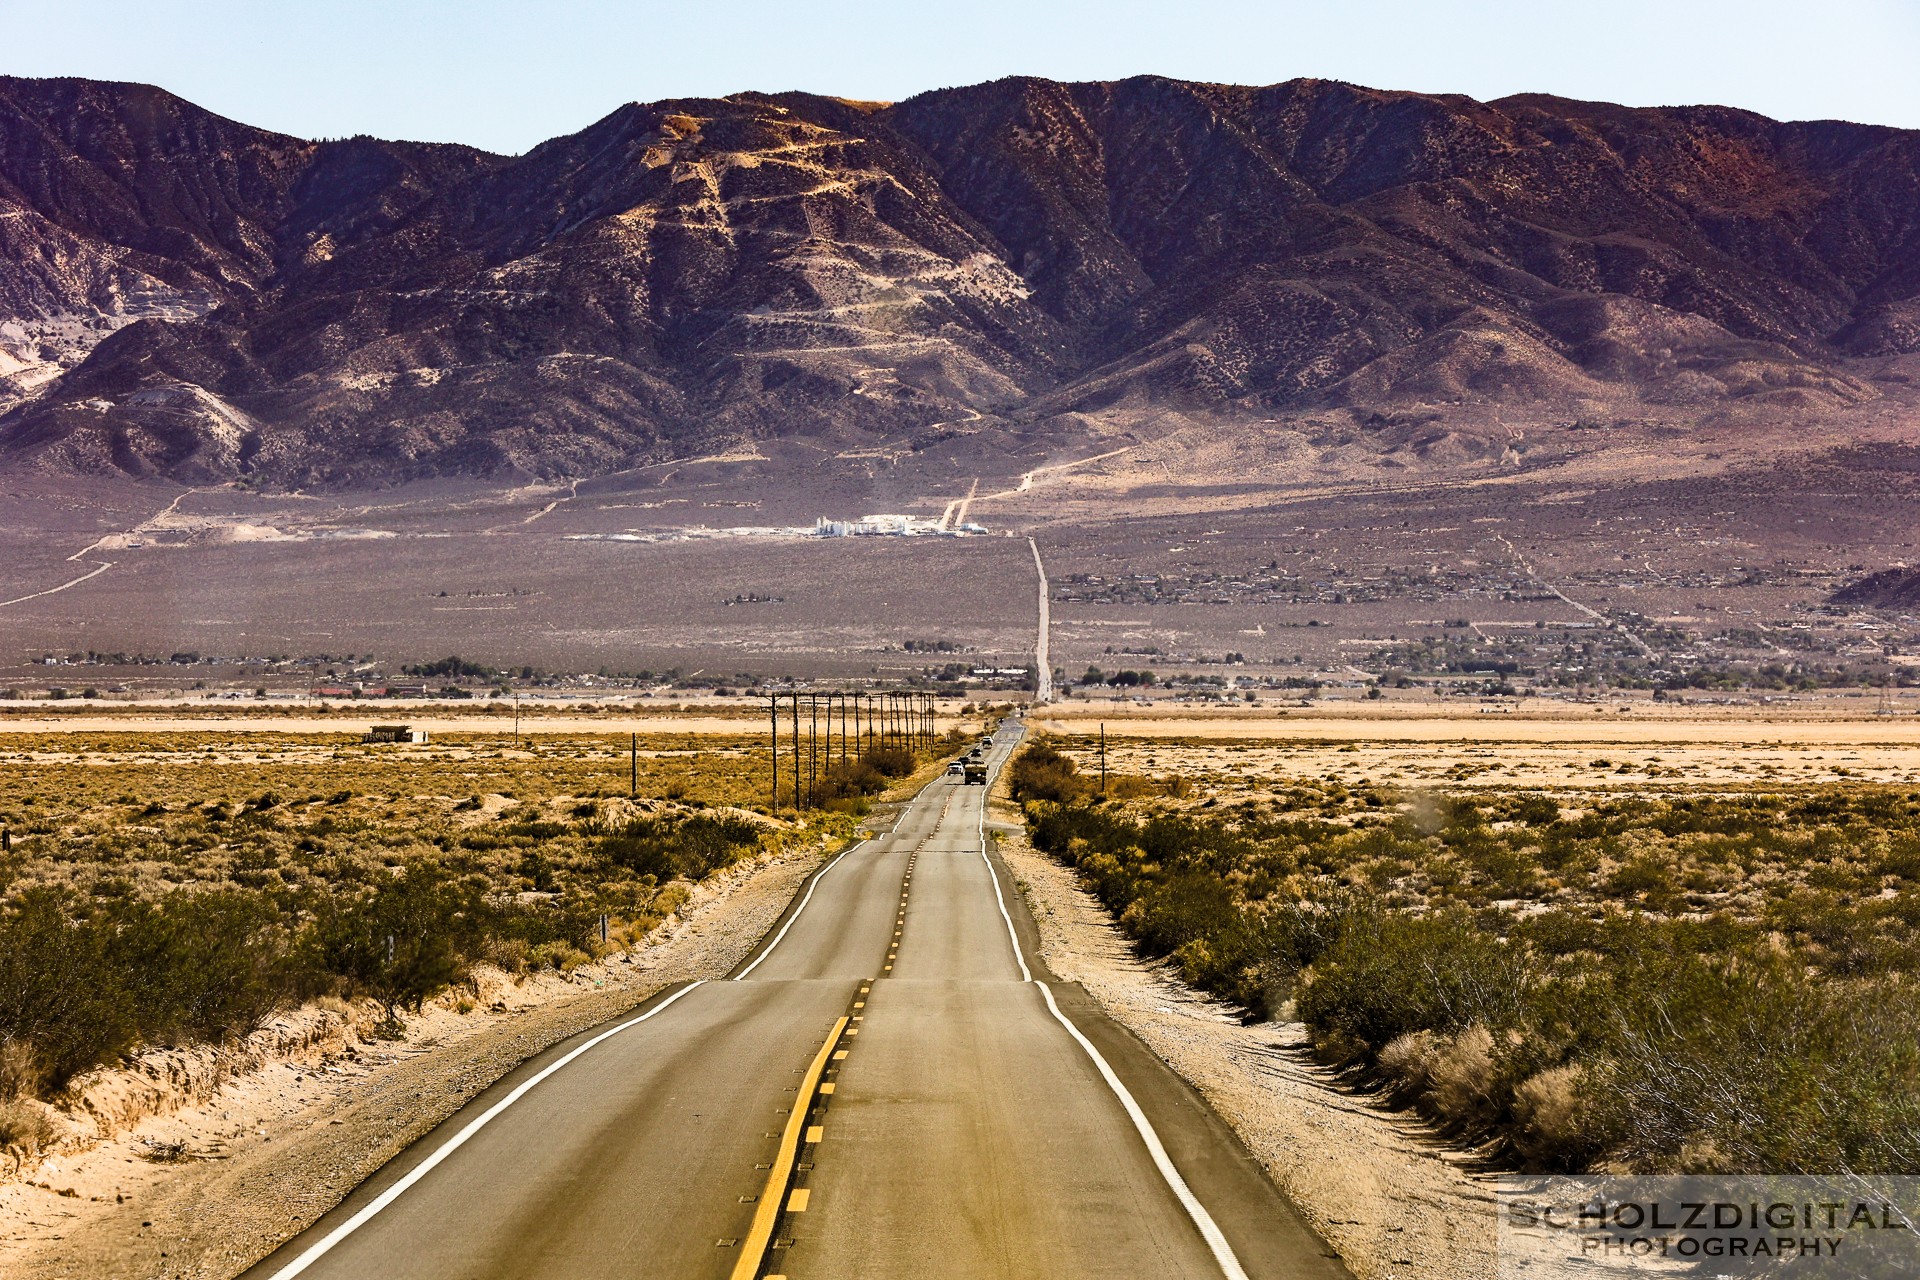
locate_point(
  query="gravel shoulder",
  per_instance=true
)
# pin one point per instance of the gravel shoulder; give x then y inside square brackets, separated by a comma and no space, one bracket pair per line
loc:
[258,1144]
[1394,1198]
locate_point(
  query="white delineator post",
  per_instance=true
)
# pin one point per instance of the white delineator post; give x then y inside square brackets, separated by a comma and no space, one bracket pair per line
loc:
[1043,673]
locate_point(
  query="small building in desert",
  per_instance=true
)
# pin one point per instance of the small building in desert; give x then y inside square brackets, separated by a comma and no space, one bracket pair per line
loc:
[395,733]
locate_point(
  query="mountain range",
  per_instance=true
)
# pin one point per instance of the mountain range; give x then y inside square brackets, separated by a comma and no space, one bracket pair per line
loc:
[185,296]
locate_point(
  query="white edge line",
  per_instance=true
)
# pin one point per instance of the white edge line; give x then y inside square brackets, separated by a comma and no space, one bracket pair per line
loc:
[1209,1229]
[804,900]
[1026,974]
[446,1149]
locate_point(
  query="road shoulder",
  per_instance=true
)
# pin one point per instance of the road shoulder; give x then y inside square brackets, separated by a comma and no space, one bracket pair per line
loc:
[1393,1198]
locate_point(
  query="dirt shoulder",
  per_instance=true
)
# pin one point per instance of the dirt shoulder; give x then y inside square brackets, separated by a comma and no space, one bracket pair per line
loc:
[262,1139]
[1391,1196]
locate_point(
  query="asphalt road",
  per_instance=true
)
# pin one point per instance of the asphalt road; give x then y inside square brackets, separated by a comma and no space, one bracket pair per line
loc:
[974,1117]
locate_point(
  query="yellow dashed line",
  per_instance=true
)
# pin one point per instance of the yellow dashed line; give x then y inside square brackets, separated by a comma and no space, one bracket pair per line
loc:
[753,1250]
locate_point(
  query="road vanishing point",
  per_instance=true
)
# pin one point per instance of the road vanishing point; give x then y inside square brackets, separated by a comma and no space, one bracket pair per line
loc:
[891,1085]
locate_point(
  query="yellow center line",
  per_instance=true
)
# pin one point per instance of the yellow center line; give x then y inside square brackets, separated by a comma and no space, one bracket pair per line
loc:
[766,1214]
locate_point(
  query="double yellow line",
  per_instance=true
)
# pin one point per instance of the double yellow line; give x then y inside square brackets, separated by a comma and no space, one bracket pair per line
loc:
[759,1236]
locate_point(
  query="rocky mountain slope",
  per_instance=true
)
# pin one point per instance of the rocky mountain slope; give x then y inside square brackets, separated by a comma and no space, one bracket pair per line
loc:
[1888,589]
[186,296]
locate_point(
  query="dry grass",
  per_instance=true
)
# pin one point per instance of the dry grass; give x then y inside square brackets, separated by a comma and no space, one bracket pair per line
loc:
[1229,761]
[28,1126]
[1654,977]
[165,888]
[145,812]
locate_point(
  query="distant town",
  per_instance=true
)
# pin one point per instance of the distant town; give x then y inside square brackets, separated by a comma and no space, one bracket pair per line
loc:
[869,526]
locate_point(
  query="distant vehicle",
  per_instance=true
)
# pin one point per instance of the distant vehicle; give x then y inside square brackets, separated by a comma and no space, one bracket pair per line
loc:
[956,770]
[976,773]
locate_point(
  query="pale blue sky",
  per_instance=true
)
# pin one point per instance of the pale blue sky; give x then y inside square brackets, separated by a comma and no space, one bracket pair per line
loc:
[505,76]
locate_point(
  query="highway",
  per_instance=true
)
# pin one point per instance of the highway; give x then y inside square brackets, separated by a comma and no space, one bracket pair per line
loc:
[890,1085]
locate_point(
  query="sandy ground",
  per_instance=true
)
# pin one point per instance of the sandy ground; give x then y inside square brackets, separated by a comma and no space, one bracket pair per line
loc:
[356,720]
[1240,757]
[1560,724]
[270,1149]
[1241,771]
[1392,1197]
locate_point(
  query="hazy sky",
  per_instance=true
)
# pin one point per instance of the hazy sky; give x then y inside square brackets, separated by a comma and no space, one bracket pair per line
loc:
[506,76]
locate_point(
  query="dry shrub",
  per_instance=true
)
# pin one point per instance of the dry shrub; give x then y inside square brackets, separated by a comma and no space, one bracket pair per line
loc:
[21,1074]
[556,955]
[1407,1065]
[509,955]
[28,1125]
[1450,1078]
[1041,772]
[1549,1129]
[1462,1076]
[334,1005]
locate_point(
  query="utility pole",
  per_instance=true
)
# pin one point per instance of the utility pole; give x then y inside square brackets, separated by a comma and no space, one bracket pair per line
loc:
[796,750]
[773,743]
[633,769]
[1103,758]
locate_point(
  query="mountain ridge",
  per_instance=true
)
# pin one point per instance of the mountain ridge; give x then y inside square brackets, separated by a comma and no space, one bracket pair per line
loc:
[185,296]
